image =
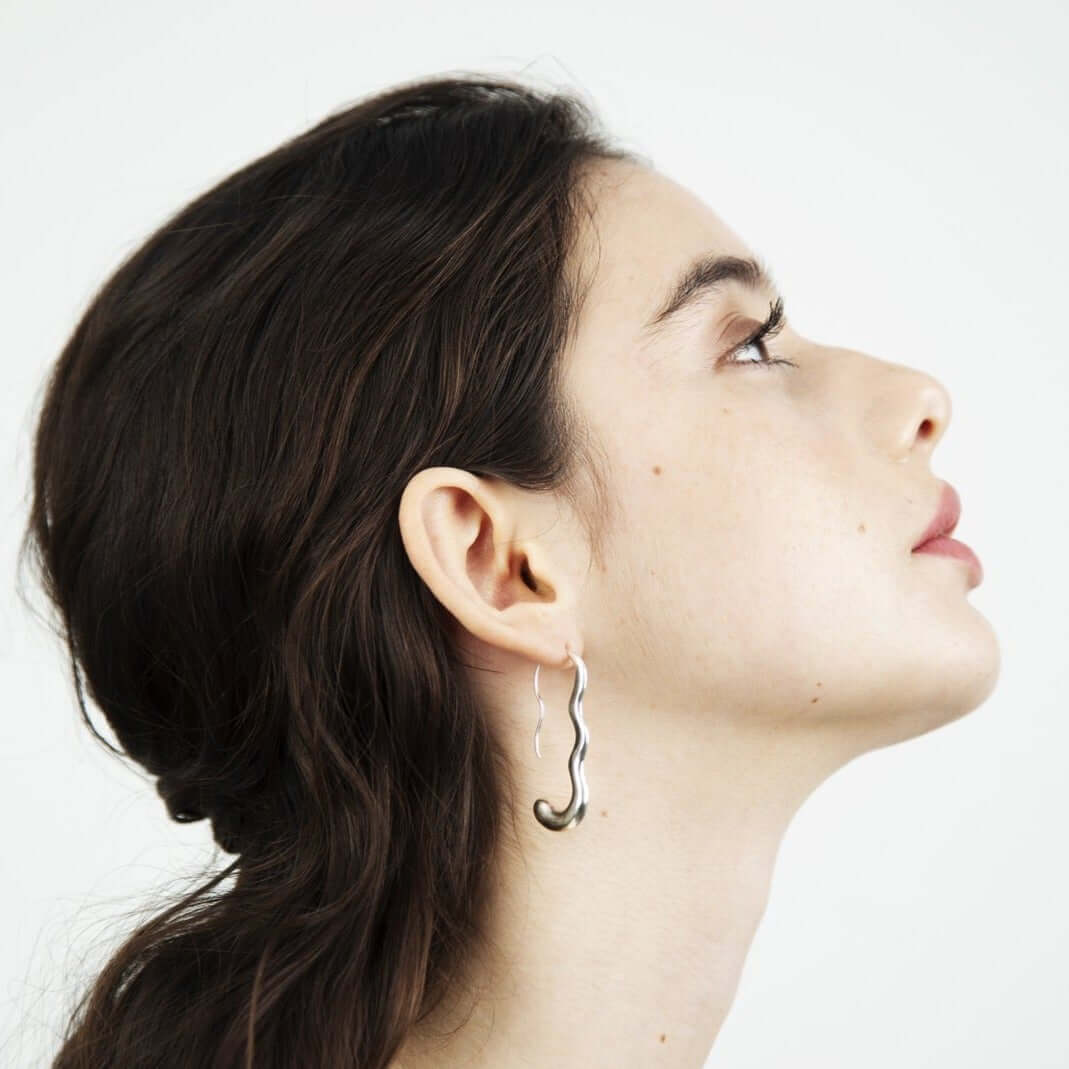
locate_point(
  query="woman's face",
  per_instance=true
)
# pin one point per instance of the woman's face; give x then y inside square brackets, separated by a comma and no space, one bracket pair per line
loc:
[759,559]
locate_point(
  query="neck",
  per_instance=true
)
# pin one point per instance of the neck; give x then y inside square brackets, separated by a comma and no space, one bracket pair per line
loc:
[621,941]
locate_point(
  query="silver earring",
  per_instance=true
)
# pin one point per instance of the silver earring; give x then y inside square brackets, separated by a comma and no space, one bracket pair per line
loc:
[558,820]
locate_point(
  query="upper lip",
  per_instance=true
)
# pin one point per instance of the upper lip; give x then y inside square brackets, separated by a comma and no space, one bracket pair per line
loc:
[946,516]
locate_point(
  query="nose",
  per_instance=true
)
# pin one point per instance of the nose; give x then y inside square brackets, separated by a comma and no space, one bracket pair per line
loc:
[927,423]
[916,412]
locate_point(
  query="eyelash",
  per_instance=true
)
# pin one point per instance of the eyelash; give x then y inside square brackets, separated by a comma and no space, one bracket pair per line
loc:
[768,329]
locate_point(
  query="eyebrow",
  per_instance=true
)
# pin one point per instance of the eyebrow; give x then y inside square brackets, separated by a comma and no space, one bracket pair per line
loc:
[703,277]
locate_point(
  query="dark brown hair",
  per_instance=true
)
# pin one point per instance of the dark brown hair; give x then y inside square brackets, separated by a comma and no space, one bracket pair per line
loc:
[218,463]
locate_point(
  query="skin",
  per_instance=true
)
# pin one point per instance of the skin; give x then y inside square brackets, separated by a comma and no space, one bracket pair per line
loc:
[759,623]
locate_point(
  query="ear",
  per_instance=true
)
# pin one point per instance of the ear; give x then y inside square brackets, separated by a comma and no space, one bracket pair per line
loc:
[462,535]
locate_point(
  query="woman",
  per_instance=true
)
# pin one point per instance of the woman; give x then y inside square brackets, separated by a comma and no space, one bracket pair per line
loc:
[441,421]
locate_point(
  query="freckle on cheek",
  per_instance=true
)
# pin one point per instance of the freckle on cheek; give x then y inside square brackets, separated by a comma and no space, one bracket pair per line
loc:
[656,469]
[861,528]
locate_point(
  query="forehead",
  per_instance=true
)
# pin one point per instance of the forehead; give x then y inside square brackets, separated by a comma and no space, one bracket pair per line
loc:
[642,229]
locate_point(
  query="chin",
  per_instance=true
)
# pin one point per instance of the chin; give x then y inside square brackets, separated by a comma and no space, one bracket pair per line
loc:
[964,677]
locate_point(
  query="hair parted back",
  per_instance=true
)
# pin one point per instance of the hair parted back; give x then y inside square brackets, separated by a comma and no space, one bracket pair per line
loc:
[218,461]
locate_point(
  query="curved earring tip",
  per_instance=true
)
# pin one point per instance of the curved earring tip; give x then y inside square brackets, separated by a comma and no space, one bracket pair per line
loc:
[549,818]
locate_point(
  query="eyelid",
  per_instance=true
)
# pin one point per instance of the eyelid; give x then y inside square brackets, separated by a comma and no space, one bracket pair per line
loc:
[760,334]
[770,326]
[776,312]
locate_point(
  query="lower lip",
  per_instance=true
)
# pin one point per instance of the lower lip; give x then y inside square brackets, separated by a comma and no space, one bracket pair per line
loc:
[951,547]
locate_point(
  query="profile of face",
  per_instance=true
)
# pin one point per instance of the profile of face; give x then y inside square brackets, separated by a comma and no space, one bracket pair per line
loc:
[756,619]
[759,563]
[768,513]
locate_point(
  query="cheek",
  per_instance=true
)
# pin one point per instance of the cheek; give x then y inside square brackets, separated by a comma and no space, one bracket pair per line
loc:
[760,570]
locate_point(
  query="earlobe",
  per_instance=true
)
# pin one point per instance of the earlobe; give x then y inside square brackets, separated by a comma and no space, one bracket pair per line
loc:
[460,534]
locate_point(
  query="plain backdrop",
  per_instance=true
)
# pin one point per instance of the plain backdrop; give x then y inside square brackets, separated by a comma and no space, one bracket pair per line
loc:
[903,168]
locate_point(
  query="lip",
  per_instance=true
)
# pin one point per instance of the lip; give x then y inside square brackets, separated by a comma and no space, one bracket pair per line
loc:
[945,519]
[951,547]
[936,538]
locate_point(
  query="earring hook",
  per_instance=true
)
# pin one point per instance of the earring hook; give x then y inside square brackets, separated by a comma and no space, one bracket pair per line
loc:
[541,713]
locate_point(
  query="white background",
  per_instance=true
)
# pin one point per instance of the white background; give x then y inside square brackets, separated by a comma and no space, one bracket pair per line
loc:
[904,170]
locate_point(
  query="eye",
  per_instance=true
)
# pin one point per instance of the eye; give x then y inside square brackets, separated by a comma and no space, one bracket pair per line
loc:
[768,329]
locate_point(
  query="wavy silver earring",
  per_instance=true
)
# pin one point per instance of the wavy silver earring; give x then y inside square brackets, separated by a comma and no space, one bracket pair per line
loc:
[558,820]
